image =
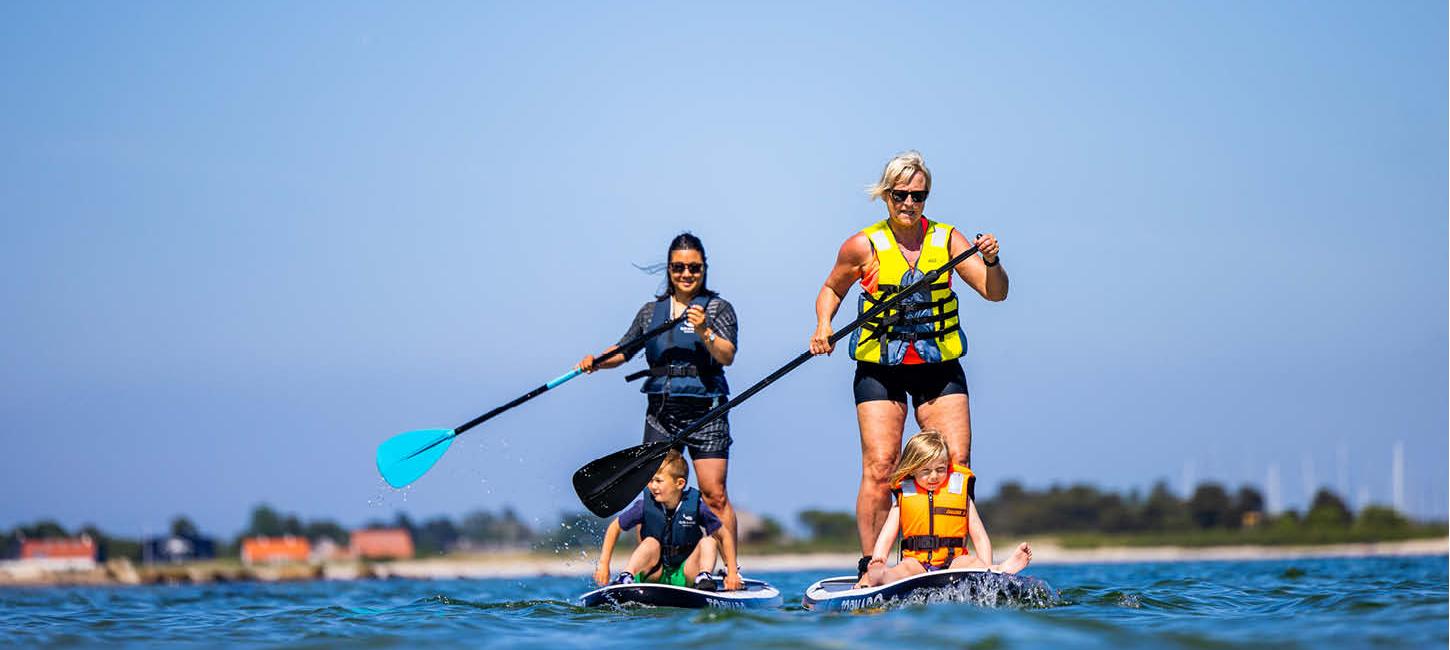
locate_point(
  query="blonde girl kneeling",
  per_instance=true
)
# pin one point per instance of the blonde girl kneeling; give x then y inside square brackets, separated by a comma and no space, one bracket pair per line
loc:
[935,516]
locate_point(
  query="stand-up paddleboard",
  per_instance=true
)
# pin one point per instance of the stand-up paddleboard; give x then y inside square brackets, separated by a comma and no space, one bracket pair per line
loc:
[753,594]
[977,586]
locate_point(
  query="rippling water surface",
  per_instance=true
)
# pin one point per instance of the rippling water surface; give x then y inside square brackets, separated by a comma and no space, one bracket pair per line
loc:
[1343,603]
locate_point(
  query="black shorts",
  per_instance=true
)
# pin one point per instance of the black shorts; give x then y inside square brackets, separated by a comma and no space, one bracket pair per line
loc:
[668,414]
[923,382]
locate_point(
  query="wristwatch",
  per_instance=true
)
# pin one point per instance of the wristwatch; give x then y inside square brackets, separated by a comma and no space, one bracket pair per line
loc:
[710,335]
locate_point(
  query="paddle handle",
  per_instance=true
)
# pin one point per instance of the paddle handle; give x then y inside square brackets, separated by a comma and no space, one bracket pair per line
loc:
[563,378]
[930,277]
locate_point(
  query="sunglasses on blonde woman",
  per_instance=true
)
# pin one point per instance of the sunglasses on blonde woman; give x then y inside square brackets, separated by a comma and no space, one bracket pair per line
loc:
[900,195]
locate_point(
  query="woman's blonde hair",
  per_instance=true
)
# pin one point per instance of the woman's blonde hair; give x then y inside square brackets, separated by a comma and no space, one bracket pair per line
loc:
[900,170]
[921,449]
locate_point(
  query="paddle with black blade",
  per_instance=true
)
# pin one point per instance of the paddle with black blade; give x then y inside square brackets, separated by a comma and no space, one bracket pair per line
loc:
[608,484]
[406,457]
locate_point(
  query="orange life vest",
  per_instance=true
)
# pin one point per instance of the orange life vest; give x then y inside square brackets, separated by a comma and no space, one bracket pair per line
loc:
[934,524]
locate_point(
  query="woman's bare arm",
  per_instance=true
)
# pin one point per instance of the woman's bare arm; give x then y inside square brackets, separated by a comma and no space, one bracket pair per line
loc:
[990,282]
[852,261]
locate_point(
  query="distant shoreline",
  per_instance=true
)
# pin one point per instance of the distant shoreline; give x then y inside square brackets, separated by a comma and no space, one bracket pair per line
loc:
[1052,554]
[1046,553]
[527,565]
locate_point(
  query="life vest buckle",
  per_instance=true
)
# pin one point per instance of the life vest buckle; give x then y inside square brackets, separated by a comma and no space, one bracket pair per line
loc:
[931,542]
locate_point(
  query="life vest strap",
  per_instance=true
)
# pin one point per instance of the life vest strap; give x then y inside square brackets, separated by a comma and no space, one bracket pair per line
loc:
[949,512]
[918,306]
[668,371]
[897,320]
[888,290]
[909,336]
[931,543]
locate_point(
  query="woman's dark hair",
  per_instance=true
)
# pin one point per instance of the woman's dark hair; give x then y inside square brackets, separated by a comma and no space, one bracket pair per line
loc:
[684,241]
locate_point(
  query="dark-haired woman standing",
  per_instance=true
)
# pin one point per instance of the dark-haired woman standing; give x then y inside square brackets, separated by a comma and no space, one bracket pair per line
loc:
[686,375]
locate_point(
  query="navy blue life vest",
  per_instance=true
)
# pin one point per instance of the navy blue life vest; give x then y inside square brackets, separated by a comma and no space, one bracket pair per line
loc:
[679,364]
[677,535]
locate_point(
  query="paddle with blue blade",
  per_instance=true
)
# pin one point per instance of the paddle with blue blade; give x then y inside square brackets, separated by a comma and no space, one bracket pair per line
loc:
[606,485]
[406,457]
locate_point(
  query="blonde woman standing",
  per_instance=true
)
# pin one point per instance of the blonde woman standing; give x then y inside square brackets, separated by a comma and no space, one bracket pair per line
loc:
[913,349]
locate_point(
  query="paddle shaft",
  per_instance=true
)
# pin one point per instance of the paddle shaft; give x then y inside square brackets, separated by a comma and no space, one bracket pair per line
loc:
[627,348]
[930,277]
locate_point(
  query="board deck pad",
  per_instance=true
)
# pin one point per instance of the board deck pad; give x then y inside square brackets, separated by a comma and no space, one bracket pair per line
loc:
[754,594]
[975,586]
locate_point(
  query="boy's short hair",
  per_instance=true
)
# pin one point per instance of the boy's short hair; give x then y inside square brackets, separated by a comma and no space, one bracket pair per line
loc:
[674,465]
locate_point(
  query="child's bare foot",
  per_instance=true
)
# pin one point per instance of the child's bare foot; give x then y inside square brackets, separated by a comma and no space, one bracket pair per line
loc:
[1019,560]
[874,575]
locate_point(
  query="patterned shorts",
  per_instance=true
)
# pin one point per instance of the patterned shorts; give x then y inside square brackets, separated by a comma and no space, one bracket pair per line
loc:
[668,414]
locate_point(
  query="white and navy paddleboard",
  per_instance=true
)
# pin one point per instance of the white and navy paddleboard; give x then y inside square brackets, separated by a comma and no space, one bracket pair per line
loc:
[977,586]
[753,594]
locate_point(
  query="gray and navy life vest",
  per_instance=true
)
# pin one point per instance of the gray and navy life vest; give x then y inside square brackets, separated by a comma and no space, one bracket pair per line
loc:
[679,364]
[678,535]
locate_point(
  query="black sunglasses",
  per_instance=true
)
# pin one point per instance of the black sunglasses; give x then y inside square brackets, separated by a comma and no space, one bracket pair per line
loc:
[900,195]
[679,267]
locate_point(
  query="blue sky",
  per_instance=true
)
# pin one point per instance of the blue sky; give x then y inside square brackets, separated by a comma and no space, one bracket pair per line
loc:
[246,242]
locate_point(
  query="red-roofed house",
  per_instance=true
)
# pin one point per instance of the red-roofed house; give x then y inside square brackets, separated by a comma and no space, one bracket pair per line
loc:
[382,544]
[275,550]
[76,553]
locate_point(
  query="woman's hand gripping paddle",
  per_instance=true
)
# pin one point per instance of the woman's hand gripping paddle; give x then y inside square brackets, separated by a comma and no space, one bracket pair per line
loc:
[406,457]
[606,485]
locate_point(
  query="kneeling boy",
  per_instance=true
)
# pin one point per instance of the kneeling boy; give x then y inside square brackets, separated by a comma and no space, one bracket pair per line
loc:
[679,535]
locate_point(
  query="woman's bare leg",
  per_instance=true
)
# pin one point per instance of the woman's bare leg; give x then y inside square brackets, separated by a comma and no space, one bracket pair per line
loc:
[881,422]
[952,416]
[711,473]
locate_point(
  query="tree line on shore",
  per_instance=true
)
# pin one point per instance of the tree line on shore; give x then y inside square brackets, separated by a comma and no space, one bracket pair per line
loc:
[1015,509]
[1212,512]
[479,530]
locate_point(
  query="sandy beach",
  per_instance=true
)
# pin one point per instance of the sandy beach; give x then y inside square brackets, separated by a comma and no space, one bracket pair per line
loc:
[503,566]
[523,565]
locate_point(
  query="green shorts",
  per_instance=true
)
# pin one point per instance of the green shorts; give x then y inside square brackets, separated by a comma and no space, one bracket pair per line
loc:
[668,576]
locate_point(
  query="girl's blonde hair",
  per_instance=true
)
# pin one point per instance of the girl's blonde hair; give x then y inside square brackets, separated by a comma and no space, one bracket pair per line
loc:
[921,449]
[899,170]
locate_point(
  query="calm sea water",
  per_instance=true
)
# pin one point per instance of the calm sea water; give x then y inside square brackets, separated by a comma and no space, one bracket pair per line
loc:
[1381,602]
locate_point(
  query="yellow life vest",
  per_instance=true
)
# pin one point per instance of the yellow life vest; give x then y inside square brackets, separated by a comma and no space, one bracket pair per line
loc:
[926,323]
[934,524]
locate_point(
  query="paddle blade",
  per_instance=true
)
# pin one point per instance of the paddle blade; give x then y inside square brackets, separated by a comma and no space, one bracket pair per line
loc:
[608,484]
[405,457]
